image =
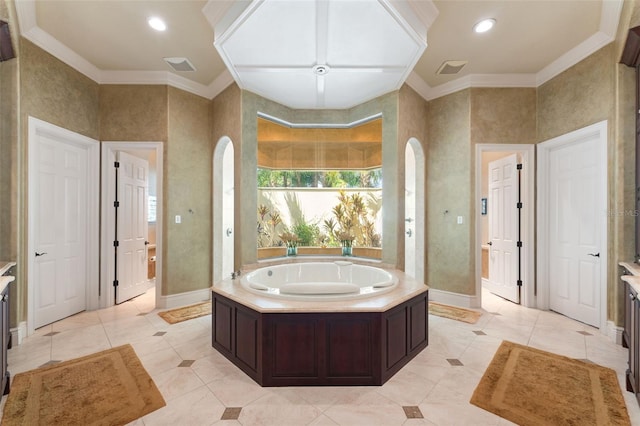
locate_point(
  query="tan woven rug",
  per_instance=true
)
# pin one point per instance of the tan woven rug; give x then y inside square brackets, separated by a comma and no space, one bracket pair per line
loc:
[532,387]
[173,316]
[107,388]
[453,312]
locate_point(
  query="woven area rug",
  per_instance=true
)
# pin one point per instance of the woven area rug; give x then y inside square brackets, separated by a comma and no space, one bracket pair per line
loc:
[453,312]
[173,316]
[532,387]
[107,388]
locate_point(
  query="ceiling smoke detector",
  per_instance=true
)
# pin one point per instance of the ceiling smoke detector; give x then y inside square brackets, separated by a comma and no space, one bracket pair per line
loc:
[451,67]
[180,64]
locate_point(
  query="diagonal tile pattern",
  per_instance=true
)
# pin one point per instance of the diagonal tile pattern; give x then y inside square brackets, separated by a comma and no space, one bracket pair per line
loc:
[202,388]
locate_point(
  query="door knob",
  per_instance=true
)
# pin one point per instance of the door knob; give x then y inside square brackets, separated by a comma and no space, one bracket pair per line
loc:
[594,254]
[146,243]
[40,254]
[409,232]
[490,243]
[229,232]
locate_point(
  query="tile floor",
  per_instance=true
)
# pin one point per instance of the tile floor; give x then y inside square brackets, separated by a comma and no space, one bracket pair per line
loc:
[202,388]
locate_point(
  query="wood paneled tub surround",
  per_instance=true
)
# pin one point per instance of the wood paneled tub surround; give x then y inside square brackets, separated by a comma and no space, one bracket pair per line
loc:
[353,342]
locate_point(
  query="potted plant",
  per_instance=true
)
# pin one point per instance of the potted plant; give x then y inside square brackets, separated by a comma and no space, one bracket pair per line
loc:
[346,240]
[290,240]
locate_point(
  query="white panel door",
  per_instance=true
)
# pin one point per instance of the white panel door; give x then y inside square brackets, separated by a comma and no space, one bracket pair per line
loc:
[59,224]
[574,231]
[503,228]
[133,229]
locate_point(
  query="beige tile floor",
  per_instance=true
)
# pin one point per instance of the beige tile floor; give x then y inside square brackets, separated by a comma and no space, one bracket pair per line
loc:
[198,394]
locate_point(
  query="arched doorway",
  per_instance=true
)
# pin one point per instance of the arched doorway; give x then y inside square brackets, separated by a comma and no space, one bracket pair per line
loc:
[414,253]
[223,211]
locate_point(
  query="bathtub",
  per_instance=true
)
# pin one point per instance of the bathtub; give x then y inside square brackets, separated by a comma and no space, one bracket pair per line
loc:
[337,280]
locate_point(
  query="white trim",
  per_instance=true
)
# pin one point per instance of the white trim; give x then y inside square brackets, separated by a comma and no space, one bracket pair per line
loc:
[614,332]
[183,299]
[92,146]
[291,125]
[528,235]
[18,333]
[220,83]
[544,149]
[455,299]
[107,191]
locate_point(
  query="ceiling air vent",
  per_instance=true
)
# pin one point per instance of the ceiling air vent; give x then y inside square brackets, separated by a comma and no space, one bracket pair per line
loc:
[451,67]
[180,64]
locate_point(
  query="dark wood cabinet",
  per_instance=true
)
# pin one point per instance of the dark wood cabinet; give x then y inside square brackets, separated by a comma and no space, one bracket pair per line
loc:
[5,339]
[632,335]
[326,348]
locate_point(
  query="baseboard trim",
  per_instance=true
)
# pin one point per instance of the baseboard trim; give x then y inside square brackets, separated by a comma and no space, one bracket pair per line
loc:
[614,332]
[183,299]
[455,299]
[18,333]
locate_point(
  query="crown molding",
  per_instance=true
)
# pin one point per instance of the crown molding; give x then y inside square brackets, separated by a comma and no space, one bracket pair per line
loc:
[220,83]
[609,19]
[573,56]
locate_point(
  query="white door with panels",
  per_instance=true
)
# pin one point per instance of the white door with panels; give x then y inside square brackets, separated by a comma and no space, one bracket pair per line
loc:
[575,209]
[503,228]
[60,185]
[131,226]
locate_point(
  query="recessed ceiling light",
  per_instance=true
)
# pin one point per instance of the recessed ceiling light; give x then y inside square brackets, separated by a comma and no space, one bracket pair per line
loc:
[484,25]
[157,24]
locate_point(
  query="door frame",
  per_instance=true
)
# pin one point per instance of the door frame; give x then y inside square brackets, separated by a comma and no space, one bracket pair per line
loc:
[544,150]
[38,127]
[527,195]
[107,189]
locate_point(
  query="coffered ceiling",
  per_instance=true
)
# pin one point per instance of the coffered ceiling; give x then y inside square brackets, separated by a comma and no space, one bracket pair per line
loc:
[532,41]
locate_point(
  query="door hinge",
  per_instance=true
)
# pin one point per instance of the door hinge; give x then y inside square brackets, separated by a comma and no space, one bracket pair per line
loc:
[519,166]
[519,205]
[116,243]
[116,204]
[116,164]
[519,244]
[115,283]
[519,282]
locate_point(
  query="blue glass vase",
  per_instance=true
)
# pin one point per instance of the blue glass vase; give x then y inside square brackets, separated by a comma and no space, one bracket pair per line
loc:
[292,251]
[347,251]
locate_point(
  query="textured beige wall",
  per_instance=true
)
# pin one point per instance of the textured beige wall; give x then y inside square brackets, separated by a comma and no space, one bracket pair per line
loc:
[412,110]
[9,146]
[188,167]
[577,97]
[503,115]
[133,113]
[54,92]
[448,195]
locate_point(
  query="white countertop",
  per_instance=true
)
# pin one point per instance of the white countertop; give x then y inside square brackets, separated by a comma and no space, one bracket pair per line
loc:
[5,280]
[5,266]
[406,289]
[634,278]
